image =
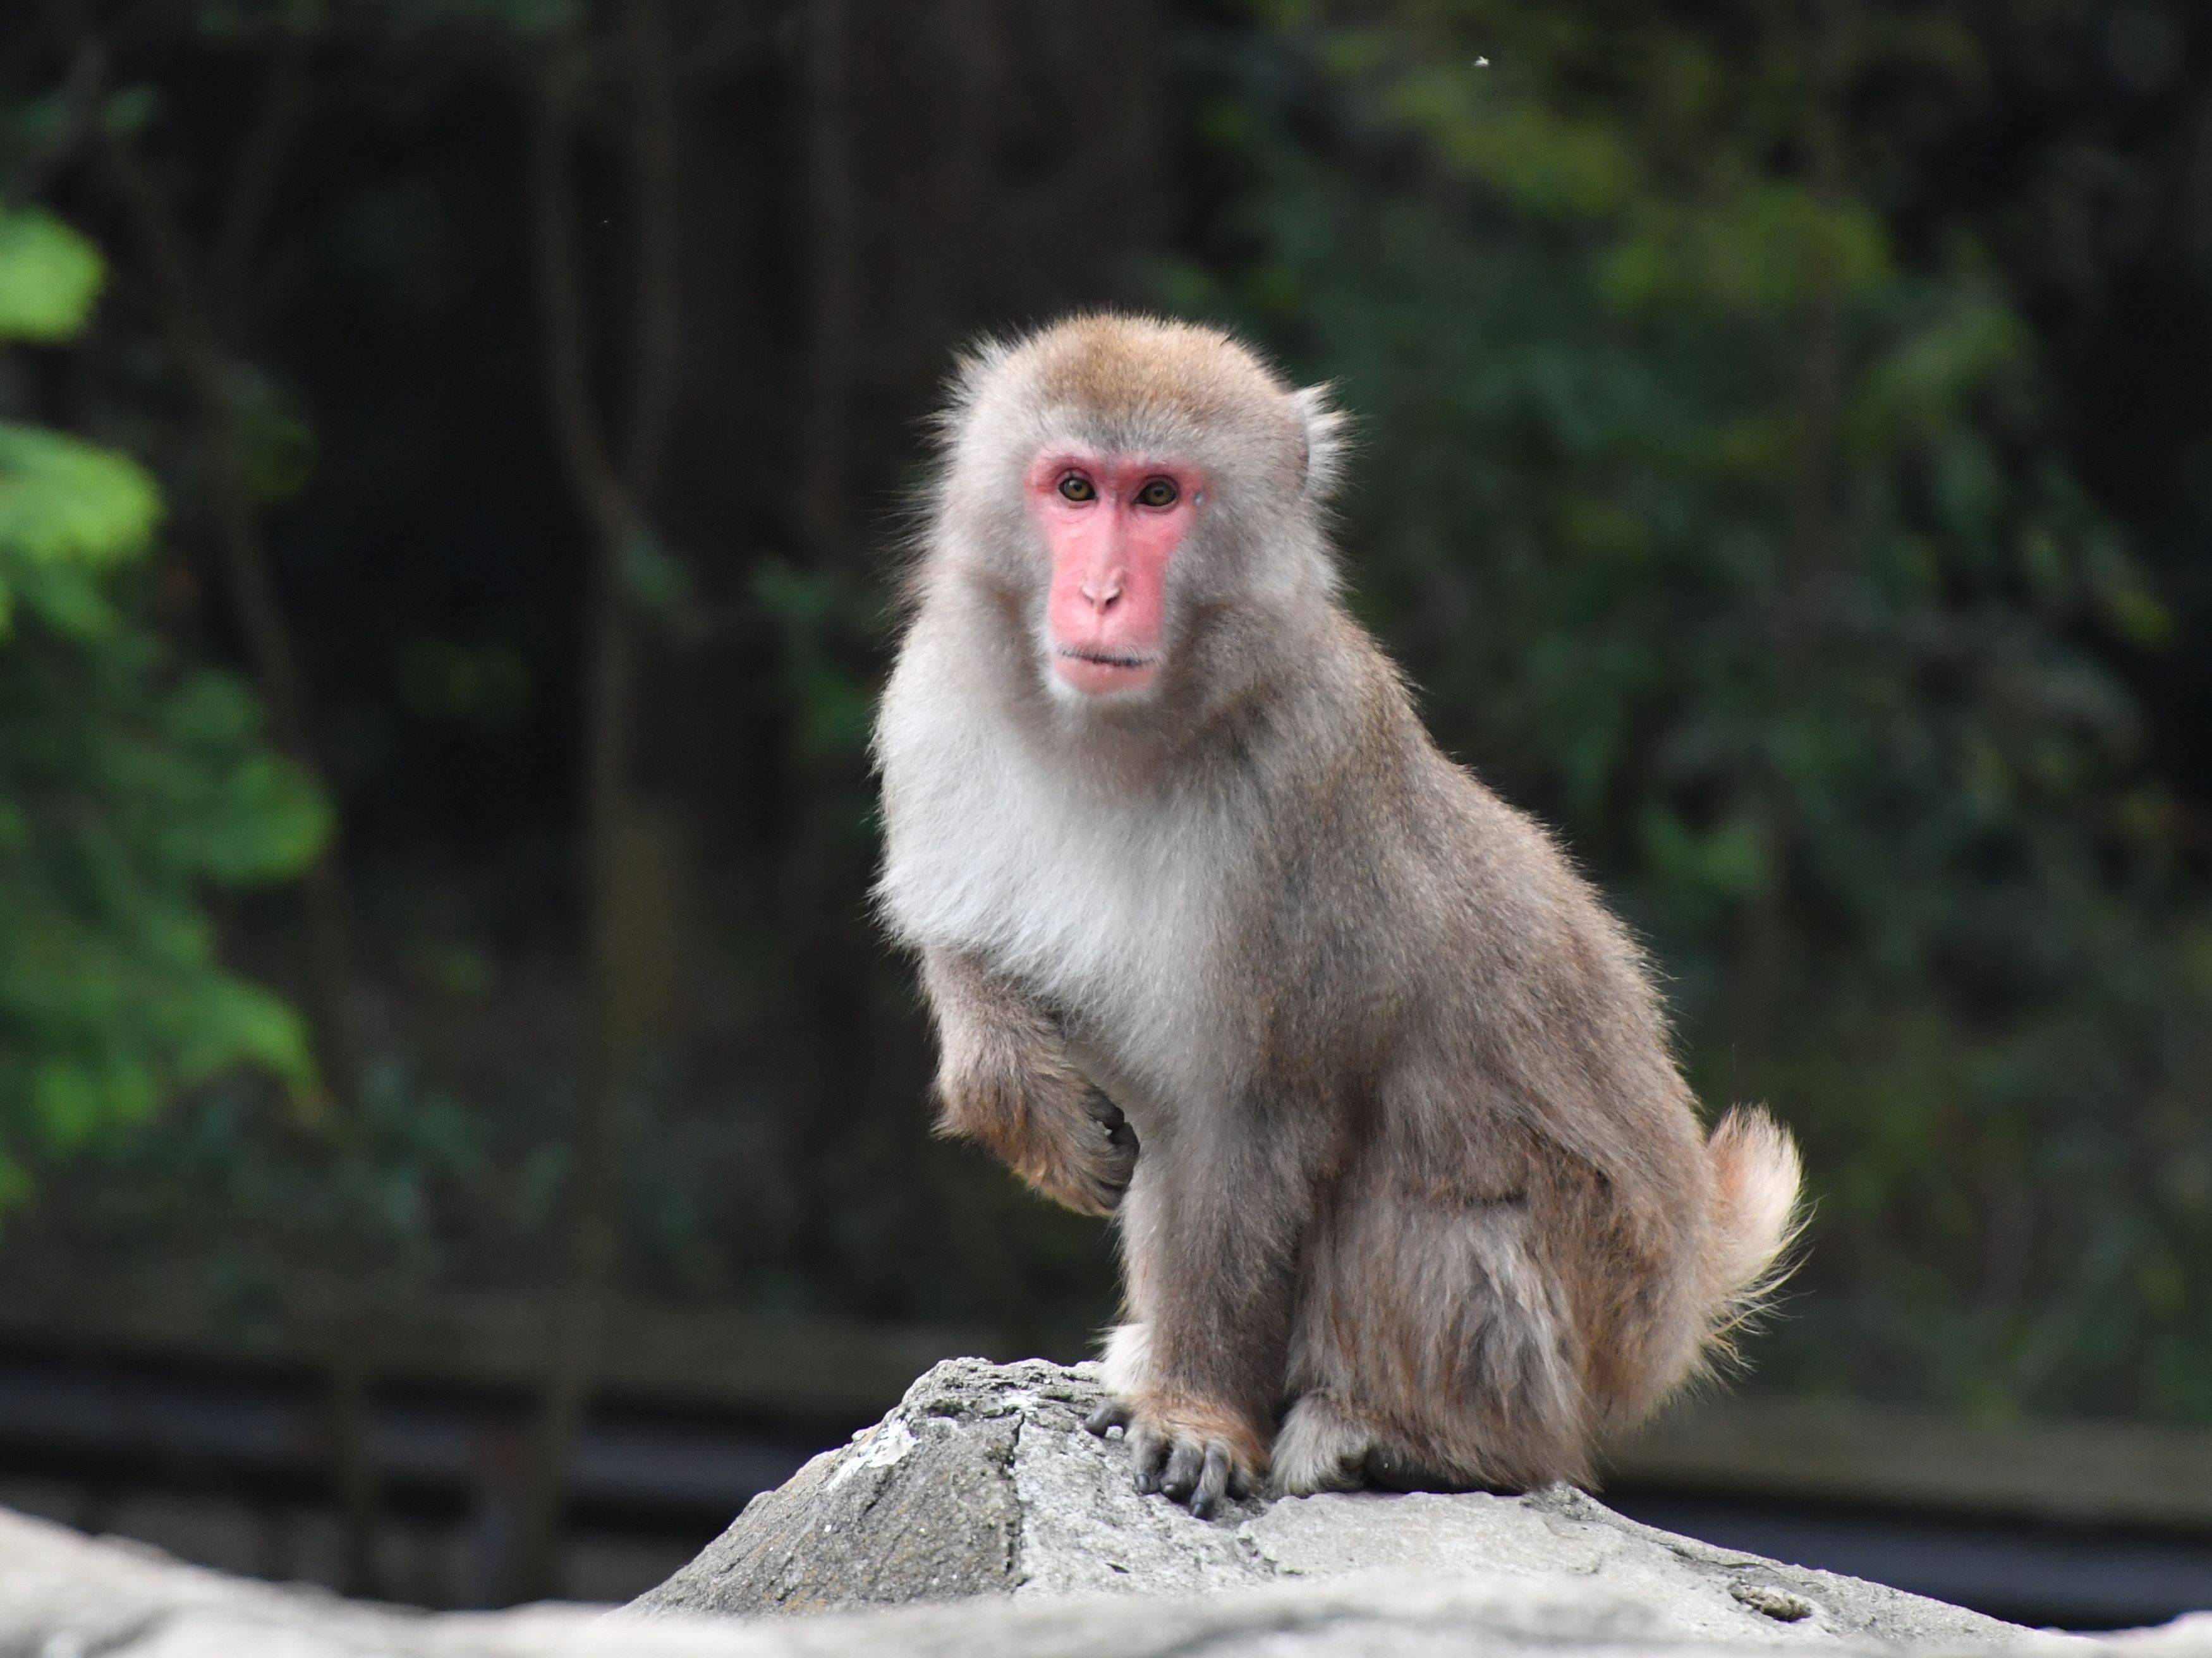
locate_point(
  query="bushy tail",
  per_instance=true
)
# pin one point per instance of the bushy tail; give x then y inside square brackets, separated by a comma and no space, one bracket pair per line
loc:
[1756,1217]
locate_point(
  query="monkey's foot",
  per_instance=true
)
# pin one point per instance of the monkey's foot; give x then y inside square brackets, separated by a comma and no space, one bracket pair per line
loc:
[1194,1453]
[1321,1447]
[1325,1446]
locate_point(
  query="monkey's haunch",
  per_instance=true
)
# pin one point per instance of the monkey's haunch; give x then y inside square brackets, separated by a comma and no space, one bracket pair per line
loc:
[1410,1189]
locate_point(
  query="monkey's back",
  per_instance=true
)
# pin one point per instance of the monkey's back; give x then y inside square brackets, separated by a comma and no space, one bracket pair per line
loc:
[1504,1025]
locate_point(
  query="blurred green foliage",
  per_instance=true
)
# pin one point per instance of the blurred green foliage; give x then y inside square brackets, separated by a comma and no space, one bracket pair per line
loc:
[1736,478]
[129,790]
[1726,525]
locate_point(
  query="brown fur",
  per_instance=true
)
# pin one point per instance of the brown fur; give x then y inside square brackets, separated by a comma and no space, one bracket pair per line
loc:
[1004,1079]
[1421,1196]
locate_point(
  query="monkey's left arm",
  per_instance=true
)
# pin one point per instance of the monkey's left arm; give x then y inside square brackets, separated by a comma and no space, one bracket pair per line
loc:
[1006,1078]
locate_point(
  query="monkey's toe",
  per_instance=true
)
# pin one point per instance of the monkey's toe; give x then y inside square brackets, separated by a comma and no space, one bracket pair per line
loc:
[1185,1463]
[1148,1457]
[1200,1478]
[1111,1415]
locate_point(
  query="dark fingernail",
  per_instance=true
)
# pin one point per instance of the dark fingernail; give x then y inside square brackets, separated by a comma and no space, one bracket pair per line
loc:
[1184,1469]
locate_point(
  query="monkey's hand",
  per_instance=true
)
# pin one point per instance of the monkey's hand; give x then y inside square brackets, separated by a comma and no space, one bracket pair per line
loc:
[1196,1453]
[1007,1079]
[1050,1126]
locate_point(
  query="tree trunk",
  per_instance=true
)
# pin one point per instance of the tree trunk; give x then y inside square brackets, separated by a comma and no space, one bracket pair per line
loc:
[615,504]
[831,975]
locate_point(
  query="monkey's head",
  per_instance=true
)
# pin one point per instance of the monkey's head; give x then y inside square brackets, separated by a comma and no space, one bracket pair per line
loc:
[1142,499]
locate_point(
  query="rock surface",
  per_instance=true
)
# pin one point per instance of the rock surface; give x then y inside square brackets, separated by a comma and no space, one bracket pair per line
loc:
[982,1493]
[983,1481]
[66,1596]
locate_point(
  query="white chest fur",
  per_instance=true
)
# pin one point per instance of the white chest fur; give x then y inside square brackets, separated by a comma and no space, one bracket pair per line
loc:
[1110,906]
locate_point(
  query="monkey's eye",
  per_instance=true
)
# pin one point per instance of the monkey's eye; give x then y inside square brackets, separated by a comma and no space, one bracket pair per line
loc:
[1076,487]
[1160,492]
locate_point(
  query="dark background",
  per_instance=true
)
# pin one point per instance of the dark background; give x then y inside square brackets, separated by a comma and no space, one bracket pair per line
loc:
[1785,465]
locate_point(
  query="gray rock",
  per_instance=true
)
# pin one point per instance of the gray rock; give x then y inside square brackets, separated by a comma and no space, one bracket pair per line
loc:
[983,1480]
[66,1596]
[982,1494]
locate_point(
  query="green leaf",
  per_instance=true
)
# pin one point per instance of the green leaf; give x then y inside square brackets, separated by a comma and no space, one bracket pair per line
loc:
[61,499]
[49,277]
[233,1023]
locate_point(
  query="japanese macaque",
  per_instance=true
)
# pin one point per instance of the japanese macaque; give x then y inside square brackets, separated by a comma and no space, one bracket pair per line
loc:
[1410,1190]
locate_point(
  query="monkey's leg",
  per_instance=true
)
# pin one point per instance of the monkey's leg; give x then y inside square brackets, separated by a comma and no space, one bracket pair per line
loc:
[1433,1351]
[1004,1078]
[1211,1237]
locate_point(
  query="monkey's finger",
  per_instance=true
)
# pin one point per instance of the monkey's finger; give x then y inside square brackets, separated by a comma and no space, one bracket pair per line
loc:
[1184,1468]
[1112,1414]
[1213,1483]
[1108,1116]
[1147,1451]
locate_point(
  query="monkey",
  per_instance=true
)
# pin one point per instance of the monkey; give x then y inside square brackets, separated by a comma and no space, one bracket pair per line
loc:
[1409,1188]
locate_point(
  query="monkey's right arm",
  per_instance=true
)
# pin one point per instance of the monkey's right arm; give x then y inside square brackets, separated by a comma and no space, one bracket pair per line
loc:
[1004,1078]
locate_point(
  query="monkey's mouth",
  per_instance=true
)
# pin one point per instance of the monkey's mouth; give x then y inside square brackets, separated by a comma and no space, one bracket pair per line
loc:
[1108,659]
[1095,669]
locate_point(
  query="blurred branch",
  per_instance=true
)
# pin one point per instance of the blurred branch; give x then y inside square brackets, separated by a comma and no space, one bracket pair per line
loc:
[735,38]
[262,156]
[825,438]
[564,330]
[1810,540]
[655,318]
[830,1075]
[616,502]
[1811,546]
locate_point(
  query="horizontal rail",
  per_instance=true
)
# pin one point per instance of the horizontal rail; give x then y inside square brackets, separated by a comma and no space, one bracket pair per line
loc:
[1847,1452]
[821,1373]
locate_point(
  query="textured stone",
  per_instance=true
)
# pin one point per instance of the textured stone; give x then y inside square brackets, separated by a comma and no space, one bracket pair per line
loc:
[1000,1452]
[991,1466]
[982,1498]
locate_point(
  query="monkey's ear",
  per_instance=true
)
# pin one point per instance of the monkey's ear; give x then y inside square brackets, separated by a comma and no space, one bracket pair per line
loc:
[1326,438]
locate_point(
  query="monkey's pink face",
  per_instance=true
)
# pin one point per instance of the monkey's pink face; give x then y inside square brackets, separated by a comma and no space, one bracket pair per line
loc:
[1112,524]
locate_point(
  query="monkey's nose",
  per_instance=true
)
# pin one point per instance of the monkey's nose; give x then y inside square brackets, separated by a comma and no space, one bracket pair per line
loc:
[1102,591]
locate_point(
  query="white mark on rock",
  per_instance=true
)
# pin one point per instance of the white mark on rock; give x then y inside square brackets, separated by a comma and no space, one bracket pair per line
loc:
[883,1447]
